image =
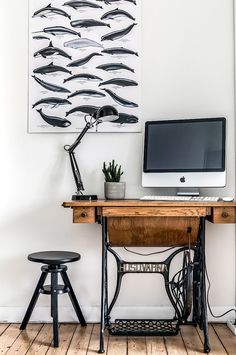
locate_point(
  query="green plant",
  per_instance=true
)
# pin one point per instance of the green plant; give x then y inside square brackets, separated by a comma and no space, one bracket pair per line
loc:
[112,172]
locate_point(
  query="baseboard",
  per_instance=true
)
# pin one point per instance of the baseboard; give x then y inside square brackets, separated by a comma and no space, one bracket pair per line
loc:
[92,314]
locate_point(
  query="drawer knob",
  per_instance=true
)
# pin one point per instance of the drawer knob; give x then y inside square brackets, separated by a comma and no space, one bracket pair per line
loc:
[83,214]
[224,214]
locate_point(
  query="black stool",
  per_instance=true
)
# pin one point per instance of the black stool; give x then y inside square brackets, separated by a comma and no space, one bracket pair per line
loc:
[54,261]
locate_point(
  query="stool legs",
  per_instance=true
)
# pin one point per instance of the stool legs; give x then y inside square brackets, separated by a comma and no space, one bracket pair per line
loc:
[33,300]
[73,298]
[54,307]
[53,290]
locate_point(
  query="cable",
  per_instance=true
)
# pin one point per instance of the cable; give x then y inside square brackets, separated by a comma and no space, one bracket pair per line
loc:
[208,303]
[156,252]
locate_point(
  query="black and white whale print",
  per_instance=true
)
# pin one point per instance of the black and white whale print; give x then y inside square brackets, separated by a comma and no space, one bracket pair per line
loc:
[84,54]
[82,4]
[83,77]
[83,61]
[120,100]
[53,102]
[51,51]
[50,86]
[114,66]
[50,11]
[112,36]
[51,68]
[116,13]
[53,120]
[59,31]
[88,92]
[119,51]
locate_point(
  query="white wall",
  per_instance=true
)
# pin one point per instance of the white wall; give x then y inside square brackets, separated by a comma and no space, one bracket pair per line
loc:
[187,71]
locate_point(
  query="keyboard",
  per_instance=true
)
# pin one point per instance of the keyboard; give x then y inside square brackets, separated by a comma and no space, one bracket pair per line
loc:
[181,198]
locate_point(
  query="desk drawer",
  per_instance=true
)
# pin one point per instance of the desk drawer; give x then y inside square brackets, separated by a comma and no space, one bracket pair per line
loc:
[84,215]
[223,215]
[154,211]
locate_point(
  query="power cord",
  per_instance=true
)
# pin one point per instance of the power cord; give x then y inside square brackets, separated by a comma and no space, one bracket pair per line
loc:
[148,254]
[208,303]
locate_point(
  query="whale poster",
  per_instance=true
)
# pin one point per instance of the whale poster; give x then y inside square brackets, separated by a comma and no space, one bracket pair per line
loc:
[84,54]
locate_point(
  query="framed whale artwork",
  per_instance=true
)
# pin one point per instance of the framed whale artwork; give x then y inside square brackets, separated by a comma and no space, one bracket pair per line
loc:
[84,54]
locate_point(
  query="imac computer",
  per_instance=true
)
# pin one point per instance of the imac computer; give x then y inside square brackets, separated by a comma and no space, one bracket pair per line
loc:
[186,153]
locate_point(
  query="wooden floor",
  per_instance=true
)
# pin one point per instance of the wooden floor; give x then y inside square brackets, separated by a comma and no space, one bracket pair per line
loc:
[37,340]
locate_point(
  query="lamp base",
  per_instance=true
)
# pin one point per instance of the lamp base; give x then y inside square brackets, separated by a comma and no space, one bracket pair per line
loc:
[85,197]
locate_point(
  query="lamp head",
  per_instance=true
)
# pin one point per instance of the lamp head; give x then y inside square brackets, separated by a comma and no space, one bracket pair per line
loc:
[106,114]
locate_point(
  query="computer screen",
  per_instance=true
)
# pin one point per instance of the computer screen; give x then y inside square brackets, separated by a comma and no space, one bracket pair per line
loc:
[186,151]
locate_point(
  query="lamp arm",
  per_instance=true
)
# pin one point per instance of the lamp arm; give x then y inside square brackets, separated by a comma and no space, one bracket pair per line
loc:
[74,166]
[76,173]
[72,147]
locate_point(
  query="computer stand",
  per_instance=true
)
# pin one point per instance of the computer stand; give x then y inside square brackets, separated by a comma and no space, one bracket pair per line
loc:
[192,191]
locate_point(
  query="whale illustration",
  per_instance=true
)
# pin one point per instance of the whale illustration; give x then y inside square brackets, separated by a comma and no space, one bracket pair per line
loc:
[81,43]
[50,50]
[52,101]
[59,31]
[116,13]
[50,68]
[89,109]
[126,118]
[49,86]
[118,50]
[40,37]
[53,120]
[49,10]
[119,82]
[77,4]
[120,100]
[88,23]
[93,93]
[82,61]
[83,76]
[109,2]
[117,34]
[114,66]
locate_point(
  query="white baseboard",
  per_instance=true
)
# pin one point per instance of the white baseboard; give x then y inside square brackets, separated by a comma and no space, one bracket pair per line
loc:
[92,314]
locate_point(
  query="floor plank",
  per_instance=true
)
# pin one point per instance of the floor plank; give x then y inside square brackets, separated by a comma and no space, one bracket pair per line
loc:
[66,332]
[25,339]
[8,337]
[117,345]
[77,340]
[227,338]
[175,345]
[80,341]
[191,340]
[155,345]
[95,341]
[3,327]
[215,343]
[137,345]
[42,342]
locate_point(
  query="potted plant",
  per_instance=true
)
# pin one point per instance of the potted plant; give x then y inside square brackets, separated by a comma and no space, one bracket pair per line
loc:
[114,188]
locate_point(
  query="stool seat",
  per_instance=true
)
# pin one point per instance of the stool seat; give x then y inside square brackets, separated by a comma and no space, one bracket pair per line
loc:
[54,257]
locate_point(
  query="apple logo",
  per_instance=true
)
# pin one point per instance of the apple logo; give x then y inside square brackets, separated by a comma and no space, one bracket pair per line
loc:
[182,179]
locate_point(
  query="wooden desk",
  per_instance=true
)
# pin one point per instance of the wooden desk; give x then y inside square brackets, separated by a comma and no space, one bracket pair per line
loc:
[151,223]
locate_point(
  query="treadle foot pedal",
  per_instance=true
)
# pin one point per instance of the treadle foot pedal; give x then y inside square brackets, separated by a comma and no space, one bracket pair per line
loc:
[162,327]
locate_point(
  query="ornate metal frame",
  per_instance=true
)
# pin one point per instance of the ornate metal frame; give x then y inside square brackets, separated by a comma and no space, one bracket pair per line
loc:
[186,291]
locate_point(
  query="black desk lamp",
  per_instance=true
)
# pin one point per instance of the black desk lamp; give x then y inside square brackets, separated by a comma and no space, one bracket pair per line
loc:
[103,114]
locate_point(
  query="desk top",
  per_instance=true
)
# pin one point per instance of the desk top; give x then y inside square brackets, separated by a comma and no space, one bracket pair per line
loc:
[141,203]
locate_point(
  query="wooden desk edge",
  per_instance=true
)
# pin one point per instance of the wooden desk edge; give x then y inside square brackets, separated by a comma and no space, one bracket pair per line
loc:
[215,212]
[140,203]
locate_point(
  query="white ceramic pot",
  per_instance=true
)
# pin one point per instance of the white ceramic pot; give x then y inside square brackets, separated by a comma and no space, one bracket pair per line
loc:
[114,190]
